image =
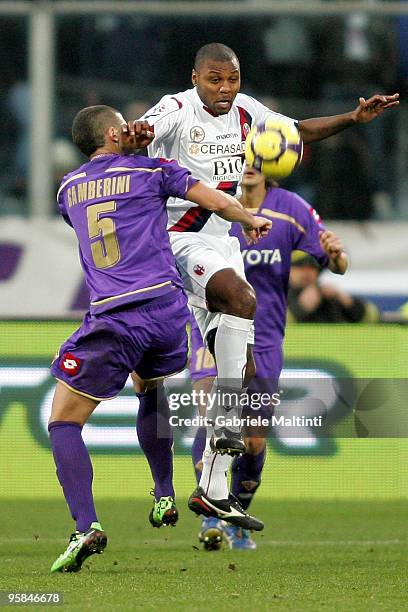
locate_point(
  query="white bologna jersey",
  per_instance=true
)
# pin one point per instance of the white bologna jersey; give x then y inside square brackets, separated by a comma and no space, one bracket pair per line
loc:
[211,147]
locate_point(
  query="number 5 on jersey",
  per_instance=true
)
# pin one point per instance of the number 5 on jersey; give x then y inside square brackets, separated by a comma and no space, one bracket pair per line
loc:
[105,246]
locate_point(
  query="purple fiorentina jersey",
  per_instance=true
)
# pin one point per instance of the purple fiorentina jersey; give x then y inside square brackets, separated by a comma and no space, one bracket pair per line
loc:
[117,207]
[295,225]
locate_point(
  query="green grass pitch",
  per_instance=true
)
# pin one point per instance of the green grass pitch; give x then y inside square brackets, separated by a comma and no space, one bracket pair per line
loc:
[312,555]
[335,536]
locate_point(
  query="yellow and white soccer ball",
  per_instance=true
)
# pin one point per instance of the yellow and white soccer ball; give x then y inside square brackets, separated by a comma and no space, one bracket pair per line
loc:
[274,147]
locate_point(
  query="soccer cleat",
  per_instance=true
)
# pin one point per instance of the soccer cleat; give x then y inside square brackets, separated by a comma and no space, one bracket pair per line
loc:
[211,533]
[163,513]
[80,547]
[238,538]
[229,510]
[227,442]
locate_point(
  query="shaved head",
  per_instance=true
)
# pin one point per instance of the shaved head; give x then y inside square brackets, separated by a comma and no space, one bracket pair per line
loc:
[214,51]
[90,125]
[216,77]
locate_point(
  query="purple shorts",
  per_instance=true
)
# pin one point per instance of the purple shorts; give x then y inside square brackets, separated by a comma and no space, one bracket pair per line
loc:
[148,338]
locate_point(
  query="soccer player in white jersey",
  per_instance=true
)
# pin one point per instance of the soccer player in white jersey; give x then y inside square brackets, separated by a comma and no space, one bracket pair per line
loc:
[204,128]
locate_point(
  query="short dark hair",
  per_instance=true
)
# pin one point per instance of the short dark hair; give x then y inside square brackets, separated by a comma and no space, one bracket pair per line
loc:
[214,51]
[89,126]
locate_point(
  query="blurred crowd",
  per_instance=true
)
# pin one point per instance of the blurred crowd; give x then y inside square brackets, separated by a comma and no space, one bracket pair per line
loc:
[297,65]
[310,301]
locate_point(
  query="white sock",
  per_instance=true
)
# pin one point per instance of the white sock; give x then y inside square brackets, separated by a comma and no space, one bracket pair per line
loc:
[231,357]
[231,349]
[214,476]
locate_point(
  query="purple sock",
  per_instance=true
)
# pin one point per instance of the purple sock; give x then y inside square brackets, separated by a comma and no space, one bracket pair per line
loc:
[246,476]
[197,450]
[74,471]
[156,439]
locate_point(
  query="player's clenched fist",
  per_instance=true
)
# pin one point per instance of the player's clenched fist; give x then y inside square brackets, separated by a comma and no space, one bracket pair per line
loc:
[259,229]
[331,244]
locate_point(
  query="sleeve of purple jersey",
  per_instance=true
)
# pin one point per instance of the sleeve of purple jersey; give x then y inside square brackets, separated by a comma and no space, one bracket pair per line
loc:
[176,179]
[308,239]
[62,209]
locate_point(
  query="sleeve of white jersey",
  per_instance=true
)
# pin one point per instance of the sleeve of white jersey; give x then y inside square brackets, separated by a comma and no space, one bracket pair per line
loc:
[165,117]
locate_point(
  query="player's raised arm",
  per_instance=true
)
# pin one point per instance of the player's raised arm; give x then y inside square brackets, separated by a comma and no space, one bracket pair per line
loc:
[367,110]
[230,209]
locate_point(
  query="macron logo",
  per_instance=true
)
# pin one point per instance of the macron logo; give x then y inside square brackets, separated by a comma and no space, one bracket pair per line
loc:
[70,364]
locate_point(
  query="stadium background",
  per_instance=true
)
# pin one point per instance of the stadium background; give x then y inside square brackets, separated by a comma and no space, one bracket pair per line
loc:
[306,60]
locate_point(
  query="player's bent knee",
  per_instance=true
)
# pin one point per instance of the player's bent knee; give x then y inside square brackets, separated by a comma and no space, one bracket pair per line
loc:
[240,301]
[229,293]
[246,302]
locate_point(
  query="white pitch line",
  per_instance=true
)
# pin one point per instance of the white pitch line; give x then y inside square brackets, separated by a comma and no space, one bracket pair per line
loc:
[260,540]
[332,542]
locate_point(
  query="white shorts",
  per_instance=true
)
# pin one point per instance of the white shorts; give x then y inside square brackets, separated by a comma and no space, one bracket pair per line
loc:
[199,256]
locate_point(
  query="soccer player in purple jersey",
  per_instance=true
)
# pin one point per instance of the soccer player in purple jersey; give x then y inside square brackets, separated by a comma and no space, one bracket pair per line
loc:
[204,128]
[295,226]
[116,205]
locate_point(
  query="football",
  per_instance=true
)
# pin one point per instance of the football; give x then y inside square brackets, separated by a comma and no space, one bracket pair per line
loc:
[274,147]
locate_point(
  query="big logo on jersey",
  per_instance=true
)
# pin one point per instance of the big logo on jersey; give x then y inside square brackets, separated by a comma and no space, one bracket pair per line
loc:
[217,148]
[227,169]
[253,257]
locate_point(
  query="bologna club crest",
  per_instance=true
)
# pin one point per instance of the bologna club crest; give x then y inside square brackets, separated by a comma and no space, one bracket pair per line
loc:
[199,269]
[245,130]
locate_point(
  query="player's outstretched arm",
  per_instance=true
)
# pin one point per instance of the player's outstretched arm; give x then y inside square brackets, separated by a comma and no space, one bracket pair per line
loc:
[230,209]
[333,247]
[367,110]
